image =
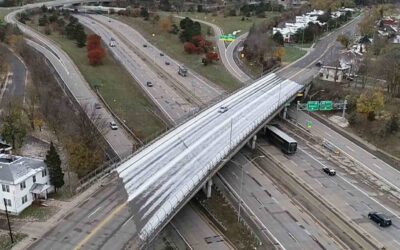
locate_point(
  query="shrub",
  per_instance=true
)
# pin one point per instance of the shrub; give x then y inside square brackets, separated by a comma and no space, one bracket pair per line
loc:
[189,48]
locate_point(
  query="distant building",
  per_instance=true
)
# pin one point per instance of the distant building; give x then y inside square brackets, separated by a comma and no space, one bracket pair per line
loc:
[4,147]
[22,180]
[330,73]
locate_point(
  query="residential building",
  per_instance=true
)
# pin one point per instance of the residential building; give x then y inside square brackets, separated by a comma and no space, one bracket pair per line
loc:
[22,180]
[329,73]
[4,147]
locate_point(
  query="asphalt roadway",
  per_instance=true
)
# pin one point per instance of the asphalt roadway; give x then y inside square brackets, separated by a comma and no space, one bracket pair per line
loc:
[226,52]
[14,89]
[200,87]
[346,191]
[285,220]
[98,233]
[174,106]
[119,141]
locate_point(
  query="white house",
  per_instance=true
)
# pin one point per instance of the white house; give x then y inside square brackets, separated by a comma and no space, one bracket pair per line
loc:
[329,73]
[22,180]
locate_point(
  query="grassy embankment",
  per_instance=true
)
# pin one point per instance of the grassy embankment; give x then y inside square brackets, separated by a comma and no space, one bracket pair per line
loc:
[118,88]
[172,46]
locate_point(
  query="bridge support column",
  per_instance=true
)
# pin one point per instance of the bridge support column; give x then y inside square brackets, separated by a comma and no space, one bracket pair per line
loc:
[209,185]
[307,90]
[253,142]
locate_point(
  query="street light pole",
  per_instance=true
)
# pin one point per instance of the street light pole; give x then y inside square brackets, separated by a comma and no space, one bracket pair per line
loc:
[8,221]
[241,180]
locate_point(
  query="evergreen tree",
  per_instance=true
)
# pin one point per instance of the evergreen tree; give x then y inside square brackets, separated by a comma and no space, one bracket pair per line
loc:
[53,163]
[278,38]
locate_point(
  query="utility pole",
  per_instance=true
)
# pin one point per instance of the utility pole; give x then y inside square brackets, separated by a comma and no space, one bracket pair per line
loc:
[8,221]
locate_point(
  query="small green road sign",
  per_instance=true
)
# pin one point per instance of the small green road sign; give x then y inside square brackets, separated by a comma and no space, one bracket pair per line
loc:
[312,105]
[309,124]
[325,105]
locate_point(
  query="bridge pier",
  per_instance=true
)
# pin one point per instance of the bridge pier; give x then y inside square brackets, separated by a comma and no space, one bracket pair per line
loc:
[207,188]
[209,185]
[252,142]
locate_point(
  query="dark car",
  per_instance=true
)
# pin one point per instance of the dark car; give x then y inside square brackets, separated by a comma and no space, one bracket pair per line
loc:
[167,63]
[145,45]
[379,218]
[319,64]
[149,84]
[329,171]
[161,54]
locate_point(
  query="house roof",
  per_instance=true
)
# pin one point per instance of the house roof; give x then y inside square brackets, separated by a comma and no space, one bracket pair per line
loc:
[14,169]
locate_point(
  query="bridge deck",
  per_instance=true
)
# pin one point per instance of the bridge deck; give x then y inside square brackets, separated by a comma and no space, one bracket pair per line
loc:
[158,178]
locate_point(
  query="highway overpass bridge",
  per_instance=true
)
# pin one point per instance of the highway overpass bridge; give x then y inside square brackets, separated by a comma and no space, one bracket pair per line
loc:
[163,176]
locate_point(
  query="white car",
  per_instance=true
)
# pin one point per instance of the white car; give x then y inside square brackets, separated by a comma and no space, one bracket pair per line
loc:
[113,125]
[112,42]
[222,109]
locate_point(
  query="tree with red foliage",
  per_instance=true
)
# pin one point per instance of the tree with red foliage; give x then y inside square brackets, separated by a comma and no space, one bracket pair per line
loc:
[93,41]
[96,56]
[95,51]
[212,56]
[190,48]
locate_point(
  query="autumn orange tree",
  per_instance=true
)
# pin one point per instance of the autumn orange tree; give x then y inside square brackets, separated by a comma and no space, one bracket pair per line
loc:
[95,52]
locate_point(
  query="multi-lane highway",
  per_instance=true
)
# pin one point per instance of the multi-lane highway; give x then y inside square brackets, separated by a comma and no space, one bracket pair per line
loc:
[120,142]
[349,192]
[291,226]
[174,106]
[368,162]
[202,89]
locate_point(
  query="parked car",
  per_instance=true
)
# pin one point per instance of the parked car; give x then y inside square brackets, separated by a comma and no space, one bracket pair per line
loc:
[113,125]
[97,106]
[222,109]
[149,84]
[379,218]
[329,171]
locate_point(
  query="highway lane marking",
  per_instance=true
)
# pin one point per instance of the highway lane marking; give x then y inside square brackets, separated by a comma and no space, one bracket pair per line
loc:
[364,193]
[376,166]
[97,209]
[118,209]
[350,148]
[126,222]
[292,236]
[354,186]
[395,241]
[231,189]
[356,160]
[328,134]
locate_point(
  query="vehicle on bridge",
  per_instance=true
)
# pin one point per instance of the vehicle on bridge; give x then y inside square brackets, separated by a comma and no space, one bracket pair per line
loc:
[287,144]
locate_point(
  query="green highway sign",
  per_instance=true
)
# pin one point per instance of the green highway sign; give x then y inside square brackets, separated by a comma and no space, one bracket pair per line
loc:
[312,105]
[325,105]
[227,38]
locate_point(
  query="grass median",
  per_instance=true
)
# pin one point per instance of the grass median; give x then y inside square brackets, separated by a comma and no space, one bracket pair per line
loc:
[171,45]
[229,23]
[3,13]
[118,88]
